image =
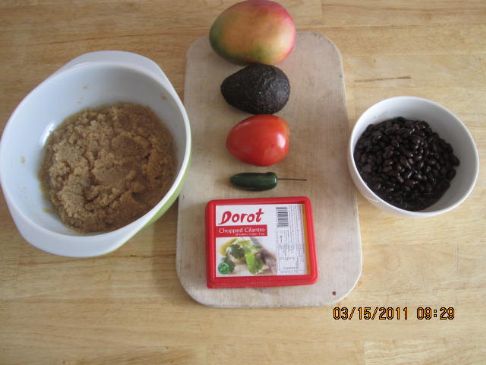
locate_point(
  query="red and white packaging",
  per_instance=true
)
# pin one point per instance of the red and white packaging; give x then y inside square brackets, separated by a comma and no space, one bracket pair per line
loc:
[260,242]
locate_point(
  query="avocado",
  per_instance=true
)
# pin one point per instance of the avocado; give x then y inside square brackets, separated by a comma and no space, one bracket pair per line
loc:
[257,89]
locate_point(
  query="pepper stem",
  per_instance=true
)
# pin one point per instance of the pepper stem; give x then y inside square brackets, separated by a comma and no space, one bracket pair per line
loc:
[291,178]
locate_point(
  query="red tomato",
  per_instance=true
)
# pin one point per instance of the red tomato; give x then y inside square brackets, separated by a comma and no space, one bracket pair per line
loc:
[261,140]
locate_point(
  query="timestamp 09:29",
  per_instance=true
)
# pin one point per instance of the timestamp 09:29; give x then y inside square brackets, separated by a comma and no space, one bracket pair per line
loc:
[392,313]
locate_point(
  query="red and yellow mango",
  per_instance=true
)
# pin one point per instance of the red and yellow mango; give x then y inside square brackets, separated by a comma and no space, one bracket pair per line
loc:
[253,31]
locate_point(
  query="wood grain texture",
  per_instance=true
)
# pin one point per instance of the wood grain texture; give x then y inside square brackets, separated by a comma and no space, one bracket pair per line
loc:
[129,307]
[318,124]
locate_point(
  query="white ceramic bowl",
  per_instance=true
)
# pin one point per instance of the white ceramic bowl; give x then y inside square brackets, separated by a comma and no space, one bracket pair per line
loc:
[90,80]
[442,121]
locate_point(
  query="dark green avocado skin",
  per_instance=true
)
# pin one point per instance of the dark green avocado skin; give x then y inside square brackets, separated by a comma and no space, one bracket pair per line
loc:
[257,89]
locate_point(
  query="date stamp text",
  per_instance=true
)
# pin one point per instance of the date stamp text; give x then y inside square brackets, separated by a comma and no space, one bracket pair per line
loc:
[382,313]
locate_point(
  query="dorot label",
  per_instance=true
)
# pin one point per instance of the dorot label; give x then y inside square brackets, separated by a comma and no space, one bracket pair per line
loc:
[233,217]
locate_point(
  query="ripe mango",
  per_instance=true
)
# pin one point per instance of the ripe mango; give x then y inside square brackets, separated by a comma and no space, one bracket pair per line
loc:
[253,31]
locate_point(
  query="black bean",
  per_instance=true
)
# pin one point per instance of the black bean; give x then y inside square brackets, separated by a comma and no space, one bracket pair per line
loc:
[377,134]
[454,160]
[368,130]
[405,162]
[388,153]
[410,183]
[443,185]
[367,168]
[416,140]
[450,174]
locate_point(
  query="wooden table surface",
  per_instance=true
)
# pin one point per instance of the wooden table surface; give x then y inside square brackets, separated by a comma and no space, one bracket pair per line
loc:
[128,306]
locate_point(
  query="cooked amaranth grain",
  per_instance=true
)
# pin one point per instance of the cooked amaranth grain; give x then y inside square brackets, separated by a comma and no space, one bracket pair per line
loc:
[104,168]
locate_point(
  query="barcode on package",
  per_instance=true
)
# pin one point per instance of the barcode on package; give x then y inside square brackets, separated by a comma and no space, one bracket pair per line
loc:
[291,255]
[282,217]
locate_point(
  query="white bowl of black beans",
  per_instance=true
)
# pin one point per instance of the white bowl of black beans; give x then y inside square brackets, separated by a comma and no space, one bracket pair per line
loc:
[413,157]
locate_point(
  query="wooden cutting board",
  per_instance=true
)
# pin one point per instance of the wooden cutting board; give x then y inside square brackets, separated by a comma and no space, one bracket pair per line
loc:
[318,123]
